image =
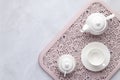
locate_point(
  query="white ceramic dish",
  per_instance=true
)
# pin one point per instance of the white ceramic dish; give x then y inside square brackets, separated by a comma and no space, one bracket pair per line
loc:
[95,56]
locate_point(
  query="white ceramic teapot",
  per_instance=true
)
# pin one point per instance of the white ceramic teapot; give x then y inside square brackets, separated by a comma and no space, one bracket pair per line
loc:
[96,23]
[66,63]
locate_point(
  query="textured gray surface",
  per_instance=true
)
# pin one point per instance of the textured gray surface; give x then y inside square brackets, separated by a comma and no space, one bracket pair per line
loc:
[26,27]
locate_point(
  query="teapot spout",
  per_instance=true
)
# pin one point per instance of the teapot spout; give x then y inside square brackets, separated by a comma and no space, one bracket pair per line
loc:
[110,16]
[85,28]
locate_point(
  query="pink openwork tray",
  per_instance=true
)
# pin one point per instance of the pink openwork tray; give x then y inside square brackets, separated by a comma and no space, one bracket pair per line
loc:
[71,41]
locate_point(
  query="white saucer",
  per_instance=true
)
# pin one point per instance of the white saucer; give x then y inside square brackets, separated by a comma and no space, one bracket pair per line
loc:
[91,46]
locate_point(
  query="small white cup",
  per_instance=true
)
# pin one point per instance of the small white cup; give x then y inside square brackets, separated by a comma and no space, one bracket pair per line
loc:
[96,57]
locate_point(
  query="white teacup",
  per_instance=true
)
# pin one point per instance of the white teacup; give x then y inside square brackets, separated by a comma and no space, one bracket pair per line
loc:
[96,57]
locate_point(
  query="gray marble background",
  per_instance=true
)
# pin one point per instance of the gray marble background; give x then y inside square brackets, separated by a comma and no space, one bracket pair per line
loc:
[26,27]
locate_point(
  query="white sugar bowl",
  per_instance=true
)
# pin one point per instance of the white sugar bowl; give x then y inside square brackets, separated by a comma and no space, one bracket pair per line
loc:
[66,63]
[96,23]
